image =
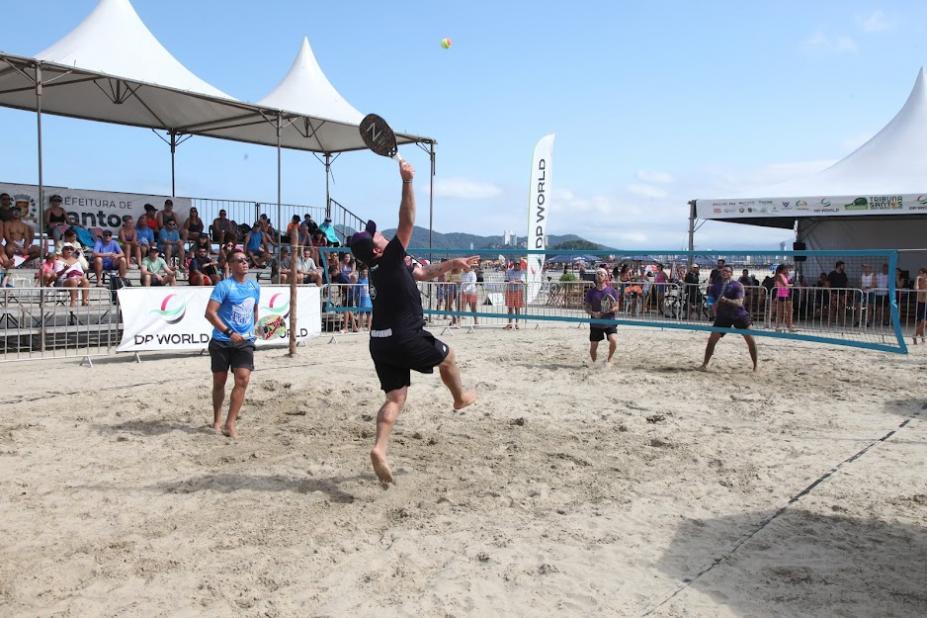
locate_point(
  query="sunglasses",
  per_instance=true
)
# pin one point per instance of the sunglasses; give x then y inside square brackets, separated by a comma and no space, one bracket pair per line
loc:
[239,261]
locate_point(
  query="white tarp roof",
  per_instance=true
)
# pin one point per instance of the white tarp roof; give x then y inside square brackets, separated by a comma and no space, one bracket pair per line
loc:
[306,90]
[111,68]
[891,165]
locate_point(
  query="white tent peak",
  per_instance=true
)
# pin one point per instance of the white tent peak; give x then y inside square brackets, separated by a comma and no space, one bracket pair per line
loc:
[114,40]
[305,89]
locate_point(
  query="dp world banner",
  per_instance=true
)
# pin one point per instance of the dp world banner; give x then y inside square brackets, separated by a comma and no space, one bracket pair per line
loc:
[173,318]
[102,209]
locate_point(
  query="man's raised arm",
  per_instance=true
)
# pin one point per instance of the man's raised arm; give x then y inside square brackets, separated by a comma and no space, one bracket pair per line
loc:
[407,205]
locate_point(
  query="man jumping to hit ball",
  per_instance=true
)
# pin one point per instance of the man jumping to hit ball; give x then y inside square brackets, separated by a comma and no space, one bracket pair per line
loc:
[399,342]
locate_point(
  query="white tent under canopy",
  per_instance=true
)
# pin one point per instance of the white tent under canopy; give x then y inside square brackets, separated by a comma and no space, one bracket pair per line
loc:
[874,198]
[111,68]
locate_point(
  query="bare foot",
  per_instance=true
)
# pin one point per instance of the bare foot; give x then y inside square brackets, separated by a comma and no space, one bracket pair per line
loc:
[465,400]
[217,427]
[381,468]
[702,368]
[230,431]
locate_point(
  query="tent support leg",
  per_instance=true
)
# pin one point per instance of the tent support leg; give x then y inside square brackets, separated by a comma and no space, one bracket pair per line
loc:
[691,232]
[431,199]
[328,195]
[173,144]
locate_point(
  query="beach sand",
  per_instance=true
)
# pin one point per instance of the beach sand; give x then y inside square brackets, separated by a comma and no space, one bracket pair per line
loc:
[566,490]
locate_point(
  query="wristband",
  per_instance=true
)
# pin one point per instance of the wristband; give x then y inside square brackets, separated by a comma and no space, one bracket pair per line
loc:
[228,331]
[407,182]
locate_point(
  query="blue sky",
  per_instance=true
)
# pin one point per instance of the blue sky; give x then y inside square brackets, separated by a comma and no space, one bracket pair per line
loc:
[653,103]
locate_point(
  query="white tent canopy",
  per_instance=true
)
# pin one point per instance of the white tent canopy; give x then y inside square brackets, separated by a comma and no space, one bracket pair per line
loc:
[111,68]
[306,90]
[885,176]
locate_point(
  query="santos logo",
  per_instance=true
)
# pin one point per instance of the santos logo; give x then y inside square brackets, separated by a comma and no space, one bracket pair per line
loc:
[171,311]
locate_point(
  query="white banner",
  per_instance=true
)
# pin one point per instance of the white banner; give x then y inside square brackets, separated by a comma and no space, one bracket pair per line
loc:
[93,209]
[538,211]
[826,206]
[173,318]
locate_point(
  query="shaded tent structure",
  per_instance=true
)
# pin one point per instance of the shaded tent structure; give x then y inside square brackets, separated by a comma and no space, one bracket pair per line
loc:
[111,68]
[874,198]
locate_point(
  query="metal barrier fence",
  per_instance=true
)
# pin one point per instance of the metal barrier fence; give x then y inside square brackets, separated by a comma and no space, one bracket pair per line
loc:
[55,322]
[844,315]
[243,212]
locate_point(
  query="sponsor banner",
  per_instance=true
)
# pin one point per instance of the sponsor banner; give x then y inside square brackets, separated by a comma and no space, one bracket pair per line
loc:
[93,209]
[830,206]
[173,318]
[538,211]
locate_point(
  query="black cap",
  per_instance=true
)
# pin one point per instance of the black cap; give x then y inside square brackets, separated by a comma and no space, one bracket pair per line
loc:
[55,198]
[361,243]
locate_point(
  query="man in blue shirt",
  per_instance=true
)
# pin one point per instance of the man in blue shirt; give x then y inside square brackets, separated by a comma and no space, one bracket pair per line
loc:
[171,245]
[233,312]
[108,255]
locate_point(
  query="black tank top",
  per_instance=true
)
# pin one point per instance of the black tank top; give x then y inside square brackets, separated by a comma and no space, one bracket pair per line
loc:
[52,218]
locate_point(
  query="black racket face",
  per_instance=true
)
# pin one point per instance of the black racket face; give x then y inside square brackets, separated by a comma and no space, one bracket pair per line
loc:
[377,136]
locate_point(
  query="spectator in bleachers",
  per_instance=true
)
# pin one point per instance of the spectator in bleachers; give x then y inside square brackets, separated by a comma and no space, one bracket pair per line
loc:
[148,220]
[166,215]
[310,225]
[146,236]
[330,234]
[33,259]
[155,271]
[6,207]
[70,237]
[71,275]
[204,270]
[171,245]
[108,255]
[256,246]
[294,226]
[203,242]
[306,268]
[48,272]
[223,229]
[282,269]
[318,240]
[192,228]
[128,239]
[18,235]
[56,219]
[270,234]
[225,251]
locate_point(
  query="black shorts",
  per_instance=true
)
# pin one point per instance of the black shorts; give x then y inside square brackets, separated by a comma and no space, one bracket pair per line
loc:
[728,322]
[597,333]
[226,355]
[395,360]
[921,311]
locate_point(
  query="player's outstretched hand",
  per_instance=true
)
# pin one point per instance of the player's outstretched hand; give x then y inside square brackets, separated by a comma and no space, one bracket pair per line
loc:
[406,171]
[466,263]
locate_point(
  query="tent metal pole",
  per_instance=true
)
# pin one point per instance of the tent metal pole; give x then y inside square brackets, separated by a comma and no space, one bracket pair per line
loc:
[173,144]
[691,232]
[328,197]
[279,185]
[41,210]
[38,122]
[431,199]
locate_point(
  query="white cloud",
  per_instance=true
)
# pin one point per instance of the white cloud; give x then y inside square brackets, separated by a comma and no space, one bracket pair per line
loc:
[566,201]
[465,189]
[875,22]
[654,177]
[836,44]
[645,190]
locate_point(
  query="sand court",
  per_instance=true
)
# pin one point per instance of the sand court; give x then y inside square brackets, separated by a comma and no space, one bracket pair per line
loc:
[645,488]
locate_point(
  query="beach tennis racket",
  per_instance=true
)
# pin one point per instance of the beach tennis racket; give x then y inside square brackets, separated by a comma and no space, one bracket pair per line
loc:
[274,327]
[379,137]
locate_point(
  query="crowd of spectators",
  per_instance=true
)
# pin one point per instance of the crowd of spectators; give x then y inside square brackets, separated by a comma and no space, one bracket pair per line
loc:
[160,244]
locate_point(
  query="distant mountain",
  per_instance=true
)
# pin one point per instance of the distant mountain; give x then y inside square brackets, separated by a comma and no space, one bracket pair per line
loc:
[459,240]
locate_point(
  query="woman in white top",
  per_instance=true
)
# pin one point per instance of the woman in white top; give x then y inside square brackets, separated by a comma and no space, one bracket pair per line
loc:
[71,275]
[468,294]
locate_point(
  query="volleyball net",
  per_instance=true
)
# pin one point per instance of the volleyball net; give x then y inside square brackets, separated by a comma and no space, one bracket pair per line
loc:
[850,297]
